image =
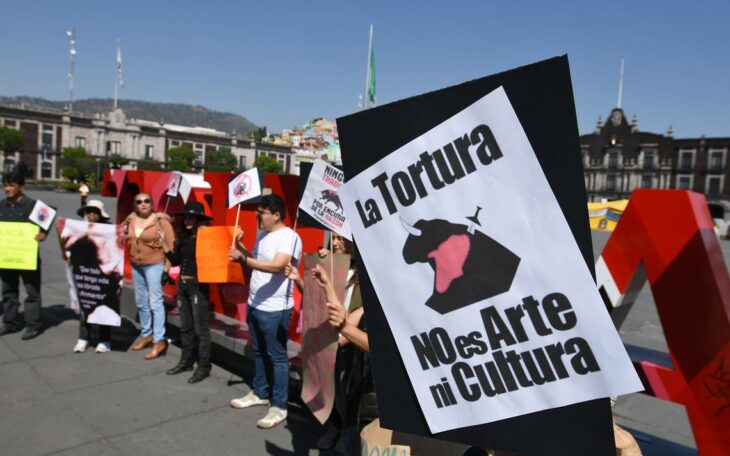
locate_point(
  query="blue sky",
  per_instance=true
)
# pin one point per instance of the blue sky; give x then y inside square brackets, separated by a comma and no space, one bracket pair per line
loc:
[282,63]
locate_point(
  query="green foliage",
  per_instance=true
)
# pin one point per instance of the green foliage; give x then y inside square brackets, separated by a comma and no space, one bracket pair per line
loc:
[181,159]
[73,153]
[70,186]
[221,160]
[116,161]
[268,164]
[90,180]
[69,172]
[11,140]
[258,134]
[149,165]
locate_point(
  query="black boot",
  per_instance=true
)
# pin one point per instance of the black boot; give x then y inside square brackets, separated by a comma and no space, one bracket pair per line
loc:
[200,374]
[182,366]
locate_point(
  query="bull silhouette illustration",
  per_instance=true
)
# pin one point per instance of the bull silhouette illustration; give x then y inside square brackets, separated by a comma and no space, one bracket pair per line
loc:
[468,265]
[331,197]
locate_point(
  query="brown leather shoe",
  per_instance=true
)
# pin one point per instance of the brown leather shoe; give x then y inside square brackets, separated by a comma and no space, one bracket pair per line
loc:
[142,343]
[159,349]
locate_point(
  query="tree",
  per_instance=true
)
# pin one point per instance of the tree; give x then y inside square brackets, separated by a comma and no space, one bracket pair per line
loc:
[221,160]
[181,159]
[69,172]
[258,134]
[116,161]
[268,164]
[73,153]
[11,140]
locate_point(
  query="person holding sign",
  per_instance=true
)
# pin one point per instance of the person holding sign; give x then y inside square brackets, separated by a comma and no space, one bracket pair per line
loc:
[270,304]
[93,212]
[142,229]
[17,207]
[192,297]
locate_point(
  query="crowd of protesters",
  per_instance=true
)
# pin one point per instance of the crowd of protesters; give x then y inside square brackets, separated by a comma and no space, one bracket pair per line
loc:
[155,242]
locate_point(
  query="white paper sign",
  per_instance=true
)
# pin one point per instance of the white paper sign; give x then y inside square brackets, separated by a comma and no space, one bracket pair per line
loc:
[42,215]
[491,304]
[244,187]
[320,199]
[174,186]
[190,181]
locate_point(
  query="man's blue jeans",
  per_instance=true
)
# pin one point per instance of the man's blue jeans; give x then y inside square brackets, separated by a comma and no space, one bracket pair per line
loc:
[269,334]
[148,294]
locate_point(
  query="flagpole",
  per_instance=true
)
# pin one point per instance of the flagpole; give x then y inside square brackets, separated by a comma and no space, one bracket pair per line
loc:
[366,103]
[116,75]
[235,227]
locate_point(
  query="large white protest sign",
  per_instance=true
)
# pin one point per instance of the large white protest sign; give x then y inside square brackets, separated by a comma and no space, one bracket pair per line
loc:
[244,187]
[94,264]
[188,182]
[42,215]
[320,198]
[493,309]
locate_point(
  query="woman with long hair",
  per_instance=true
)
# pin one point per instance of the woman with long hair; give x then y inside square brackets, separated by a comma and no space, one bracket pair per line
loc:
[192,296]
[143,228]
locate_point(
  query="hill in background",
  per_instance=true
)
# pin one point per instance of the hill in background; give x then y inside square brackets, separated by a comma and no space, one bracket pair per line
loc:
[174,113]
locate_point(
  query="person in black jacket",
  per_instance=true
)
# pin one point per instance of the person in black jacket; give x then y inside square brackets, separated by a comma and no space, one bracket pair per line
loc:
[16,207]
[192,297]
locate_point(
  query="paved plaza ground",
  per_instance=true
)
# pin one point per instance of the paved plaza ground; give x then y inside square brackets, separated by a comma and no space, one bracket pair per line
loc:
[55,402]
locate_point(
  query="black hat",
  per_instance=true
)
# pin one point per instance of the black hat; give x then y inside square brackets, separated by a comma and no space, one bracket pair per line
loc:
[194,208]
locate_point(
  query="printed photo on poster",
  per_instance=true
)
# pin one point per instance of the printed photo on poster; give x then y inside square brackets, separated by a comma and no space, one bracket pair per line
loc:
[94,261]
[509,321]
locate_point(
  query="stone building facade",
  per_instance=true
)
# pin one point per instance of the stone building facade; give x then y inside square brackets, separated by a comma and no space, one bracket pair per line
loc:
[618,158]
[47,133]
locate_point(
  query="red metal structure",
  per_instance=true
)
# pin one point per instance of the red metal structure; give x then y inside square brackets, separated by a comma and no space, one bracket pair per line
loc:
[667,237]
[226,299]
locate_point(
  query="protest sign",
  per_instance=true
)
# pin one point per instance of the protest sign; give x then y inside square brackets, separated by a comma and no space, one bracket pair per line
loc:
[320,198]
[244,187]
[455,204]
[94,261]
[211,253]
[42,215]
[319,338]
[18,247]
[174,186]
[189,181]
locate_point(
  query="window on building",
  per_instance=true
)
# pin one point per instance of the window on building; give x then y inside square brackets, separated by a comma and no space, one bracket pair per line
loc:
[47,127]
[80,141]
[646,182]
[683,183]
[613,159]
[149,150]
[611,183]
[648,159]
[10,123]
[685,160]
[47,139]
[9,165]
[242,162]
[713,186]
[114,147]
[716,159]
[46,170]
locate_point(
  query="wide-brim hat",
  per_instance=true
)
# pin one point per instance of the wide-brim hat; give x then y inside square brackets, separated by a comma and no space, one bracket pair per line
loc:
[93,204]
[196,209]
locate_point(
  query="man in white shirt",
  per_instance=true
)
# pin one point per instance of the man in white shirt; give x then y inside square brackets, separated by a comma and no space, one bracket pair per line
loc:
[270,303]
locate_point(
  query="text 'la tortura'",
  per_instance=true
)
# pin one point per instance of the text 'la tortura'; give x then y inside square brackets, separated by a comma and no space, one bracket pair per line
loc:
[442,167]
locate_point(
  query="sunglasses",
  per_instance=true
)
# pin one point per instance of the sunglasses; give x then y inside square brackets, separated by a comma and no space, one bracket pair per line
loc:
[142,201]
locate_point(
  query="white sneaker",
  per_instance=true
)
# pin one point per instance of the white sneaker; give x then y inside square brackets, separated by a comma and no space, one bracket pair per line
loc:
[248,400]
[103,347]
[80,346]
[272,419]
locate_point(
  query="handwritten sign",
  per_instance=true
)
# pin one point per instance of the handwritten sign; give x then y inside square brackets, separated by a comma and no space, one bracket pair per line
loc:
[18,247]
[211,252]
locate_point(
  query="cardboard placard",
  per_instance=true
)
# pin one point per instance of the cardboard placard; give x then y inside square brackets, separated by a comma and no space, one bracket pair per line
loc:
[211,253]
[18,247]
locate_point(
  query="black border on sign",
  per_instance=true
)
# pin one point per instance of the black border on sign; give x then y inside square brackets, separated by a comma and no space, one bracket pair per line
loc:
[542,96]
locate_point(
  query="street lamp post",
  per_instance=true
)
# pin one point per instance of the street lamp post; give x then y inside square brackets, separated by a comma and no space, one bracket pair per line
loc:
[98,171]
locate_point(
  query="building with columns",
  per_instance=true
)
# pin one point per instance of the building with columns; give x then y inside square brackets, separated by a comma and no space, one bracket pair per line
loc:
[618,158]
[47,133]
